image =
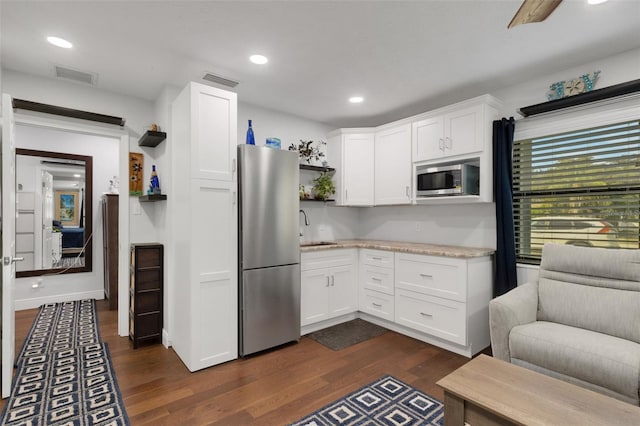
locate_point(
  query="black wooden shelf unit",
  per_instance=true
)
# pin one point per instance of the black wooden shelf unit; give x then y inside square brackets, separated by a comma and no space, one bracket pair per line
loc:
[152,138]
[152,197]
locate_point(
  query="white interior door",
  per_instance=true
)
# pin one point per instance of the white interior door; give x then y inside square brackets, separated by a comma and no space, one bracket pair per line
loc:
[47,220]
[8,216]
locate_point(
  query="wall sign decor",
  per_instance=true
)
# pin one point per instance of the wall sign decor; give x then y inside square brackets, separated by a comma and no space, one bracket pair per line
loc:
[575,86]
[136,168]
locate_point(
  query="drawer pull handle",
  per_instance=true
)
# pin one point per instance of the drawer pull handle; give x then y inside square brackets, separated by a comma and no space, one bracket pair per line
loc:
[377,305]
[426,276]
[426,315]
[376,258]
[375,279]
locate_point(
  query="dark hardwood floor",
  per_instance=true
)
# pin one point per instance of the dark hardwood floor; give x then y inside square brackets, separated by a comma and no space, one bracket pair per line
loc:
[272,388]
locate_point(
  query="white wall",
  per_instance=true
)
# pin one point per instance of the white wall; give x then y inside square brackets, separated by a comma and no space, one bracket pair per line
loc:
[105,165]
[138,113]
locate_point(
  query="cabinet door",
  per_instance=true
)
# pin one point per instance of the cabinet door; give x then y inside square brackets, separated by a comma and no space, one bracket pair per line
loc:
[357,166]
[214,129]
[343,294]
[393,166]
[314,296]
[214,260]
[463,131]
[428,138]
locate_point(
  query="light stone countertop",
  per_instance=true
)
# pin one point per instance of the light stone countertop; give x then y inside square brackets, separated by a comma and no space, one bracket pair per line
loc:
[403,247]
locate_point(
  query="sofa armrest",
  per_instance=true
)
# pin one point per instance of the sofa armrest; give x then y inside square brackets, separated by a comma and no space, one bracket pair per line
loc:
[518,306]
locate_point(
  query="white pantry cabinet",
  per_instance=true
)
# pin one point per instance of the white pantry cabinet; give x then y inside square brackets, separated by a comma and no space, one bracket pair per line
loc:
[202,211]
[393,165]
[328,285]
[351,152]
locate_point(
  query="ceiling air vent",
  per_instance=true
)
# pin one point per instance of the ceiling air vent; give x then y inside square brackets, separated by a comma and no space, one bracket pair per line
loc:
[219,80]
[79,76]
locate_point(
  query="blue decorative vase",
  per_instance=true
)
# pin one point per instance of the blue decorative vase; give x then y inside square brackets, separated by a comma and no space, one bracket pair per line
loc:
[250,138]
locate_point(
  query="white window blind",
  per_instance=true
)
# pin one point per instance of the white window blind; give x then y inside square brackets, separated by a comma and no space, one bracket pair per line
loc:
[580,187]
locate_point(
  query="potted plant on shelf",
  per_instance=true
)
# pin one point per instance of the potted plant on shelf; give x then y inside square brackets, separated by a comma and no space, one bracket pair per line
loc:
[323,187]
[307,151]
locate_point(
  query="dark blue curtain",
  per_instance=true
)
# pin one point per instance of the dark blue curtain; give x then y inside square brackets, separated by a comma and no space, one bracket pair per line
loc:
[506,278]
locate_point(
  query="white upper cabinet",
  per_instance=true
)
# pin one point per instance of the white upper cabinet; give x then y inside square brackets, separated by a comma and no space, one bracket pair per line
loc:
[454,133]
[351,152]
[214,130]
[393,165]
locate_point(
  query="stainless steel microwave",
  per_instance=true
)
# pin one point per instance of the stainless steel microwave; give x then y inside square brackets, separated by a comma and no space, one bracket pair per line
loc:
[457,179]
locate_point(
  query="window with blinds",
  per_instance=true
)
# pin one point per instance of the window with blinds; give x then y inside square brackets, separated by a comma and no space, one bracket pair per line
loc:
[580,187]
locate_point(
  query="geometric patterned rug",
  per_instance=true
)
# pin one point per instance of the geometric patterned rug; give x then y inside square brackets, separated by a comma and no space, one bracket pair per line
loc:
[58,326]
[72,383]
[387,401]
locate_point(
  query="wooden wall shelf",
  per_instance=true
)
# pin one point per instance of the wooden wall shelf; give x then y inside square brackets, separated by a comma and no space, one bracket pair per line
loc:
[152,197]
[151,138]
[316,168]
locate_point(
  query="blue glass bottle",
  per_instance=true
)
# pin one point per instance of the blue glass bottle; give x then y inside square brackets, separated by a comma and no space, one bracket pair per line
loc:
[250,139]
[155,182]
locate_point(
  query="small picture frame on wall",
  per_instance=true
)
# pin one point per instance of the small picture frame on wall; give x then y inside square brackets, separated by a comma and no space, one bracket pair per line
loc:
[67,210]
[136,171]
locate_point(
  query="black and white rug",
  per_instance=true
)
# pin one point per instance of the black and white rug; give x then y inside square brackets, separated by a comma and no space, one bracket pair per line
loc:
[64,373]
[59,326]
[387,401]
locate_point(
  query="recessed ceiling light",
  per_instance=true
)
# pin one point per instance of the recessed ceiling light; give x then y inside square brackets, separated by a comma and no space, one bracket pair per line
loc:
[596,1]
[258,59]
[60,42]
[356,99]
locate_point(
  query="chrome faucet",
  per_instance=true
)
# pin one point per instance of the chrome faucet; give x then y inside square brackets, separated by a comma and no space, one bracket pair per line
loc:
[306,220]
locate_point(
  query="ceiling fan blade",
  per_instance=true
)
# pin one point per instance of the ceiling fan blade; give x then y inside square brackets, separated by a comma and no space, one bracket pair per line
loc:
[533,11]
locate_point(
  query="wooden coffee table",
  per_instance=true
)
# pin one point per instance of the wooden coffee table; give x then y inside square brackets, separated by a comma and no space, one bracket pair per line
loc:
[488,391]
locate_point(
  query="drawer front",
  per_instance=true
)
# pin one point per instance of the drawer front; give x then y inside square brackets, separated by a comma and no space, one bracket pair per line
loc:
[435,276]
[377,304]
[147,325]
[376,258]
[146,257]
[376,278]
[148,301]
[150,279]
[327,259]
[438,317]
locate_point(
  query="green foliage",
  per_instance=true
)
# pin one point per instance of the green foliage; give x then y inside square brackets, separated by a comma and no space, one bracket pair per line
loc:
[323,186]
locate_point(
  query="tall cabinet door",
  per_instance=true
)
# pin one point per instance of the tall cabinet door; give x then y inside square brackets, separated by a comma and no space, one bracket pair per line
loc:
[215,133]
[393,165]
[214,269]
[358,151]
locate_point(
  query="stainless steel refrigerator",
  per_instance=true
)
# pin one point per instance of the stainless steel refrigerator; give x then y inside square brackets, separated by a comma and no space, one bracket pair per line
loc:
[269,248]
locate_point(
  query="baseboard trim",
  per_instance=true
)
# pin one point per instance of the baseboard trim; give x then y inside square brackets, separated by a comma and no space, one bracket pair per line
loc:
[36,302]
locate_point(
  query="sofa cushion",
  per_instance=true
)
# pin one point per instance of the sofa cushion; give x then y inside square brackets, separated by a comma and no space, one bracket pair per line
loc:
[605,310]
[592,357]
[593,288]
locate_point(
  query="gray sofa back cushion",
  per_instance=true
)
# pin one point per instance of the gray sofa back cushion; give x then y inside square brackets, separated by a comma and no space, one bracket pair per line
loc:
[591,288]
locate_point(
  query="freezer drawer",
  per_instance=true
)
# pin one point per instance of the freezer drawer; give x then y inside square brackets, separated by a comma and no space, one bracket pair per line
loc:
[270,308]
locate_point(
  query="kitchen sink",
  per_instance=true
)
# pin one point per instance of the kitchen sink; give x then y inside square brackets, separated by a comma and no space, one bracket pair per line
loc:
[317,243]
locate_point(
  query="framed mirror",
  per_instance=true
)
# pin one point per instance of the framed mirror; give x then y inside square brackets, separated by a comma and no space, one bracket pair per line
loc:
[54,210]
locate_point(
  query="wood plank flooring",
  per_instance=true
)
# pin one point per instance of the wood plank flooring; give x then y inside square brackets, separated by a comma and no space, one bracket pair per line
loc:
[272,388]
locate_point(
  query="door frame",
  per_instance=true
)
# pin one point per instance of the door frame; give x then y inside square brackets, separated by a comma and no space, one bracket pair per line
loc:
[83,127]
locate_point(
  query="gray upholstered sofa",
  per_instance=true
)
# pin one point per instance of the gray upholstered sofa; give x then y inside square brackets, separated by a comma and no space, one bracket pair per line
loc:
[580,322]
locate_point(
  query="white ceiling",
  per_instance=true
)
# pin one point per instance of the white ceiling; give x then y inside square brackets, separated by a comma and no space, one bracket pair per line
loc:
[403,57]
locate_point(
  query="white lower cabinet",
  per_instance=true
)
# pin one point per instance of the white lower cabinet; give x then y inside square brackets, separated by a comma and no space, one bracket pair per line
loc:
[328,285]
[376,283]
[445,297]
[436,316]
